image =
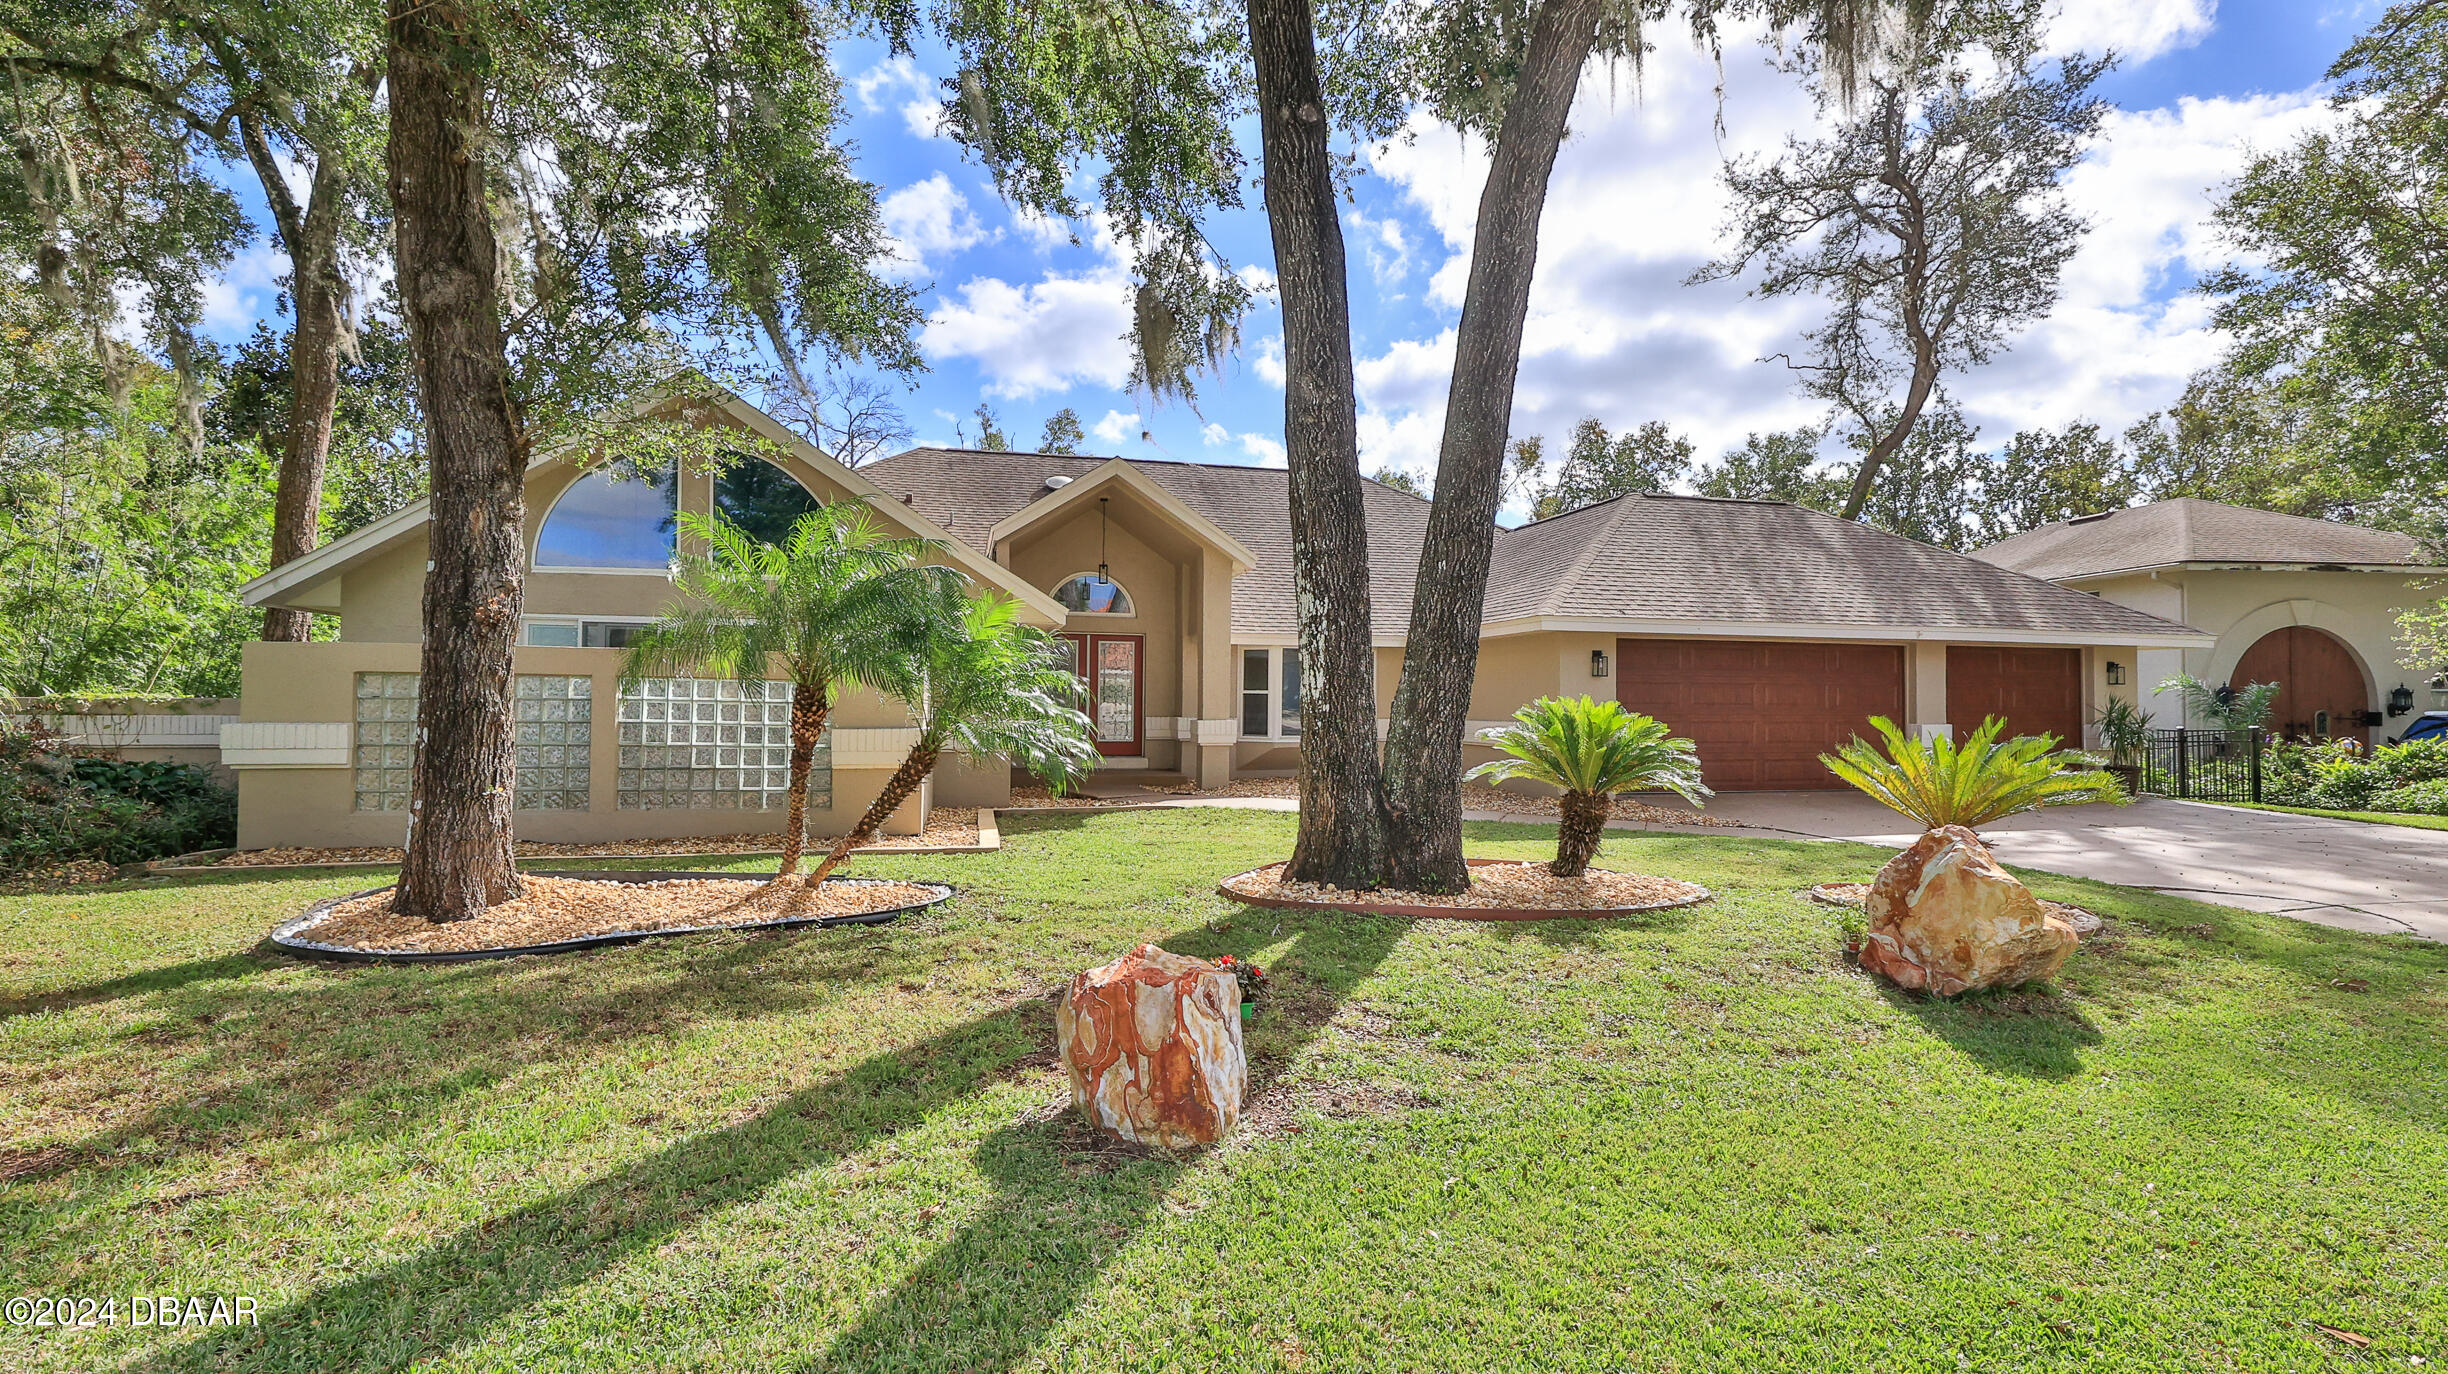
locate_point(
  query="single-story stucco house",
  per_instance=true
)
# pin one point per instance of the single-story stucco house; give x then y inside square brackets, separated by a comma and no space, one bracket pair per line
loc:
[1767,632]
[2309,604]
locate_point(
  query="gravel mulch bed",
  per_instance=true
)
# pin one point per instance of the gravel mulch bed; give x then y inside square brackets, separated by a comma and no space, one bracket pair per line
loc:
[74,873]
[557,909]
[1858,894]
[946,826]
[1506,886]
[1038,796]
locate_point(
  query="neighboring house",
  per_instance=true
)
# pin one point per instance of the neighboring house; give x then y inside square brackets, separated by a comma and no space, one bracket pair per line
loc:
[2309,604]
[1766,632]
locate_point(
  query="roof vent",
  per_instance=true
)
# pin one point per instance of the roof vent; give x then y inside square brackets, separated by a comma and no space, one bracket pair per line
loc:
[1057,482]
[2087,519]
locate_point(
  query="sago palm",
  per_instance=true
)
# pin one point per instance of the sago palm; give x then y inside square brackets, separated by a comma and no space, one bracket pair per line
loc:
[839,603]
[1590,750]
[993,689]
[1939,782]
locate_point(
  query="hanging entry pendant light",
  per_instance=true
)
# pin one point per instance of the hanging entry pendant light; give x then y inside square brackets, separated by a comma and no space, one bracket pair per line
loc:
[1103,574]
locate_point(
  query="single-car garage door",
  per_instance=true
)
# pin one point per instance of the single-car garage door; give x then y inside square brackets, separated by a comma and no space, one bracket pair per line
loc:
[1761,713]
[2038,691]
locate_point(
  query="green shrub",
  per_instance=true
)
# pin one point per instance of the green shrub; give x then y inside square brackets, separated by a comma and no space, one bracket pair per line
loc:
[2422,799]
[1938,782]
[55,809]
[2341,775]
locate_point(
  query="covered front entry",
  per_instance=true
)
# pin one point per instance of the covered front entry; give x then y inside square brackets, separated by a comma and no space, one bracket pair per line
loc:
[1762,713]
[2320,685]
[2038,691]
[1115,674]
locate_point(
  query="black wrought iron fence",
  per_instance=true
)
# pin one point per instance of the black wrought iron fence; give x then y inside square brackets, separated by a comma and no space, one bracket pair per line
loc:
[2204,765]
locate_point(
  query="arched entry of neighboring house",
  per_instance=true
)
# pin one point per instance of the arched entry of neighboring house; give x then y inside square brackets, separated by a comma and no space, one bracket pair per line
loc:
[2321,685]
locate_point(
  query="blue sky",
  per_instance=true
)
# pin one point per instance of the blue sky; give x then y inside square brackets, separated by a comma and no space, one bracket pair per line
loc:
[1022,317]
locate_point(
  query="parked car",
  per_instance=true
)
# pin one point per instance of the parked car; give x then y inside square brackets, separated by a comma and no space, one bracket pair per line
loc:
[2428,725]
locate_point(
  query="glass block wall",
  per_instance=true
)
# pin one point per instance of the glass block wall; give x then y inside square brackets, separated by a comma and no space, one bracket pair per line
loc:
[549,716]
[552,731]
[386,739]
[712,744]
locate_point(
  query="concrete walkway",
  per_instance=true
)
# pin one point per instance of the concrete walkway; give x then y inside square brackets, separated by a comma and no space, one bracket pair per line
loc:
[2385,878]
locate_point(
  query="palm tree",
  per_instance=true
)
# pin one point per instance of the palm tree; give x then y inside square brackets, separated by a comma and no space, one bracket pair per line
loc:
[1938,782]
[839,603]
[991,688]
[1591,750]
[2226,708]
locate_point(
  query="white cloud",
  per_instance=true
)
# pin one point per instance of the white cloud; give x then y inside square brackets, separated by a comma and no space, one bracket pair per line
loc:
[1384,244]
[2137,30]
[1268,362]
[1035,338]
[1044,233]
[1213,434]
[930,218]
[1116,427]
[1636,204]
[897,81]
[1268,452]
[243,293]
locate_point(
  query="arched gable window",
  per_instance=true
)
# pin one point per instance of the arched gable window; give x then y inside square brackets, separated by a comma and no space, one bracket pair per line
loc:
[1091,594]
[761,499]
[612,520]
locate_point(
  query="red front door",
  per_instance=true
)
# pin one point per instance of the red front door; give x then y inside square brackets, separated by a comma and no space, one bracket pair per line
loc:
[1111,667]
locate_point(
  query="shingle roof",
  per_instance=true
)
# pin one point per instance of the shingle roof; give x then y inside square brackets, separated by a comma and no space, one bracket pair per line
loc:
[1695,558]
[2190,530]
[1646,558]
[968,490]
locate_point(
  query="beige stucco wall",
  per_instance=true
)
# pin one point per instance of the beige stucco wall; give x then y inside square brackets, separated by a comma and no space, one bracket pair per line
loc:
[2240,605]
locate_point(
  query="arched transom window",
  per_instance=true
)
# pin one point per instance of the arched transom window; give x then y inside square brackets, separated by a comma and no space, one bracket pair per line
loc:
[617,518]
[1093,594]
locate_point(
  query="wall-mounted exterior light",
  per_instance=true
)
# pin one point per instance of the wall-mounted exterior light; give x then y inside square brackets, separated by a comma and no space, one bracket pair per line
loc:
[2401,700]
[1598,663]
[2116,673]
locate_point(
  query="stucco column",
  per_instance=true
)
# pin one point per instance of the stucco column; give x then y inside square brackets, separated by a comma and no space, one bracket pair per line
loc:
[1219,688]
[1926,688]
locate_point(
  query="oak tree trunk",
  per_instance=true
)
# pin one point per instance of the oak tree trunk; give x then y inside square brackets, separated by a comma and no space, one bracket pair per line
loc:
[1423,754]
[459,842]
[1578,829]
[1924,378]
[317,293]
[807,721]
[897,788]
[1342,822]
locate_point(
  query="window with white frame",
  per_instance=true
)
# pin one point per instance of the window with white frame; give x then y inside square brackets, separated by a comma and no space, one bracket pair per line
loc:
[1270,693]
[571,632]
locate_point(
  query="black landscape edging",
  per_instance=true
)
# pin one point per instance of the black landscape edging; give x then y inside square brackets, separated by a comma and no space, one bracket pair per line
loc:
[286,936]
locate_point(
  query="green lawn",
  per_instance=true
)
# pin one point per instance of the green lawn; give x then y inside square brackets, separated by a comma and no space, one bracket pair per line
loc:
[1698,1142]
[2405,818]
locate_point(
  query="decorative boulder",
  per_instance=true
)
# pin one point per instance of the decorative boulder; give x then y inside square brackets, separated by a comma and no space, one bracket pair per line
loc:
[1152,1042]
[1945,917]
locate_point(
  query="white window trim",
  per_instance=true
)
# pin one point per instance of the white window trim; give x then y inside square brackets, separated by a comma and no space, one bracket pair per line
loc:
[580,621]
[1274,693]
[1131,614]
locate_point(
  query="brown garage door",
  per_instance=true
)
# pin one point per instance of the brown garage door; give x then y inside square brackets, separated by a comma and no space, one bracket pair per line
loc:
[1761,713]
[2038,691]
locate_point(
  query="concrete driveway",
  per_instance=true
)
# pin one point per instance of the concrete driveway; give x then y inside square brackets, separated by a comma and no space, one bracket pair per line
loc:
[2386,878]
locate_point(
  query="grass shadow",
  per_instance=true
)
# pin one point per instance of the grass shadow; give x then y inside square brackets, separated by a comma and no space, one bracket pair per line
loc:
[450,1294]
[983,1300]
[170,978]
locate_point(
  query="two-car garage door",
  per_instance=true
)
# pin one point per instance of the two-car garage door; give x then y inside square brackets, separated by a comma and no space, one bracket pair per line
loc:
[1762,713]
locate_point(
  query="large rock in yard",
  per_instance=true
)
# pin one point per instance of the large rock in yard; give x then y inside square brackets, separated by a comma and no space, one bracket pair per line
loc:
[1152,1042]
[1945,917]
